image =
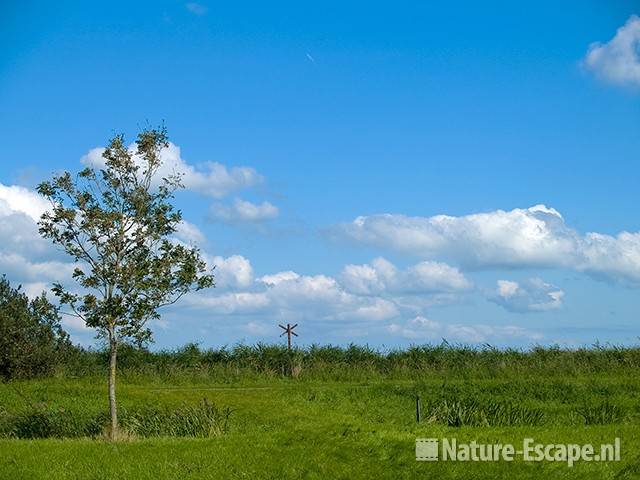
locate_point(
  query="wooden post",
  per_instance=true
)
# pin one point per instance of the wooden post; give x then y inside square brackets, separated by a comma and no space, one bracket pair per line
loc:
[418,408]
[288,330]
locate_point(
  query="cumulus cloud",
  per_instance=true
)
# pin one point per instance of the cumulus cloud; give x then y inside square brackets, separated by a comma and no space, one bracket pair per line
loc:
[25,257]
[18,266]
[423,329]
[521,238]
[232,272]
[353,296]
[362,293]
[243,211]
[375,309]
[618,61]
[382,276]
[16,199]
[291,295]
[533,295]
[30,260]
[611,257]
[324,296]
[189,233]
[229,303]
[211,178]
[20,209]
[535,236]
[276,278]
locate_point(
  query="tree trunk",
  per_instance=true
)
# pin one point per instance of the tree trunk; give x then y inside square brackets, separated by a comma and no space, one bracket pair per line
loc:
[113,351]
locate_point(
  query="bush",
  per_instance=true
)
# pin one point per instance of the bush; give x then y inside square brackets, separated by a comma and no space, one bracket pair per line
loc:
[32,342]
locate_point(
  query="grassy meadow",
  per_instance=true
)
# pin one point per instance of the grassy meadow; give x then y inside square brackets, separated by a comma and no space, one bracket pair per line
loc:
[321,412]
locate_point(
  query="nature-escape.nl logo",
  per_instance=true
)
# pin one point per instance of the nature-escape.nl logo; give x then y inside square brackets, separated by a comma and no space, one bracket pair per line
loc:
[430,450]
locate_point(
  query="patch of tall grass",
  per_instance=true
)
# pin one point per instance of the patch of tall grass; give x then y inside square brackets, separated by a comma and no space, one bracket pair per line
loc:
[205,419]
[489,413]
[600,414]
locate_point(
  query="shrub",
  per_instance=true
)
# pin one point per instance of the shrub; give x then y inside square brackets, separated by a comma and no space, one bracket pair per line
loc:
[32,342]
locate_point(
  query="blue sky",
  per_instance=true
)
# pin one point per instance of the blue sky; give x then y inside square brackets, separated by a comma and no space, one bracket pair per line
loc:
[340,135]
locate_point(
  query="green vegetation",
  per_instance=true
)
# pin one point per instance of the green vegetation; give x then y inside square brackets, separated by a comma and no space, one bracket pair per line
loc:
[117,224]
[32,343]
[321,412]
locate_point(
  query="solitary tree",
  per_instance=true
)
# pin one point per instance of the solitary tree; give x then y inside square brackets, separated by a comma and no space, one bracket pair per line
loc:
[117,222]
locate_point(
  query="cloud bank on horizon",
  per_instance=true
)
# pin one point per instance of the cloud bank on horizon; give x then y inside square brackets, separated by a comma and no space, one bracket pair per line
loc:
[376,295]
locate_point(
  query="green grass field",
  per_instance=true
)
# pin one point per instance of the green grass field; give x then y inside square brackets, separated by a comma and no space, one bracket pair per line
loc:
[358,426]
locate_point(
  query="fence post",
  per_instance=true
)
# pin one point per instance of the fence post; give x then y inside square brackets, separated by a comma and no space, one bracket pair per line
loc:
[418,408]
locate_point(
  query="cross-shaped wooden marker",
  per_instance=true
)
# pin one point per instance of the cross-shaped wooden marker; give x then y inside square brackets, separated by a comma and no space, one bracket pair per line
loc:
[289,331]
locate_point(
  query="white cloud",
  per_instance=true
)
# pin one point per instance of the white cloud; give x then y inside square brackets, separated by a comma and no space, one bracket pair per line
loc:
[16,199]
[189,233]
[19,234]
[535,236]
[231,272]
[30,260]
[278,277]
[369,294]
[34,289]
[423,329]
[609,257]
[533,295]
[433,277]
[243,211]
[363,279]
[18,266]
[521,238]
[375,310]
[618,61]
[424,277]
[25,257]
[216,304]
[290,295]
[319,289]
[322,297]
[211,178]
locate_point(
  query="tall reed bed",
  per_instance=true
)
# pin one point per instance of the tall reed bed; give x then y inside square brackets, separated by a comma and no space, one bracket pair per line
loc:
[330,362]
